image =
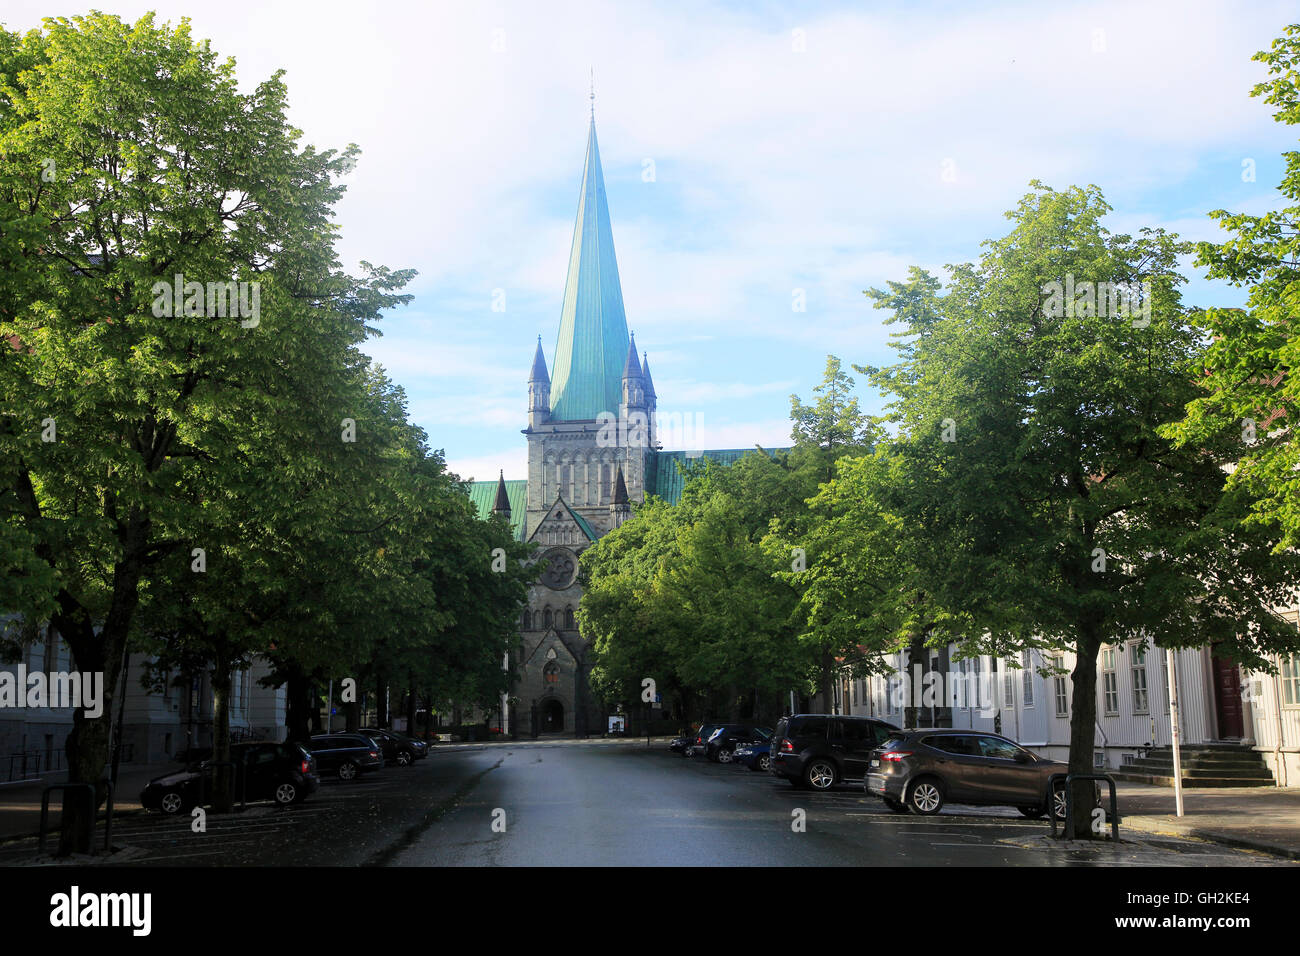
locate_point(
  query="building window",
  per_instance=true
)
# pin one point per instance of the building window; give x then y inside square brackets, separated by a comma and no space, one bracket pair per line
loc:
[551,673]
[528,620]
[549,618]
[1109,682]
[1138,668]
[975,683]
[1008,685]
[1060,690]
[1290,674]
[1027,680]
[569,623]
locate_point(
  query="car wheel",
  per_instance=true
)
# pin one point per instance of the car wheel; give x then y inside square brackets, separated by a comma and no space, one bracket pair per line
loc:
[1058,803]
[1033,813]
[895,805]
[285,794]
[765,762]
[404,758]
[820,774]
[725,756]
[348,771]
[925,798]
[172,802]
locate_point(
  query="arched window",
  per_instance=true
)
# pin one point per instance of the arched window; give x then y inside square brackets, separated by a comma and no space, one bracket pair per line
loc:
[549,619]
[551,673]
[569,623]
[528,620]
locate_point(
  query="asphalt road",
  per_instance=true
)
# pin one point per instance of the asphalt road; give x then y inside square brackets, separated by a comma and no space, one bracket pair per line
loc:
[629,806]
[602,804]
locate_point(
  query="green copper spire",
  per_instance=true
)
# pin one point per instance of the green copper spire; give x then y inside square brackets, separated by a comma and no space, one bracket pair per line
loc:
[589,358]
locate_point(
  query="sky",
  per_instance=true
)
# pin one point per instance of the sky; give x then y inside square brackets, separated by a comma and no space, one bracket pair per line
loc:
[757,157]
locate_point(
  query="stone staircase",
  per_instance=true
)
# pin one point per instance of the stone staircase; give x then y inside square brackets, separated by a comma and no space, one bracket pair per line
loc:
[1203,765]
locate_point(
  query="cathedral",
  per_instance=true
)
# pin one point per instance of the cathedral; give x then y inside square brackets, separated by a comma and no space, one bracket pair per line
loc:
[592,453]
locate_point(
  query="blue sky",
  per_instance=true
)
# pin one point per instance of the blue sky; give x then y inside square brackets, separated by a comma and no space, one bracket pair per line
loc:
[822,147]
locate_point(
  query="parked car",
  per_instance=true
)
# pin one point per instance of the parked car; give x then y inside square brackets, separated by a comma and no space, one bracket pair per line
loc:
[348,755]
[755,756]
[699,739]
[821,750]
[921,770]
[397,748]
[678,744]
[722,743]
[285,773]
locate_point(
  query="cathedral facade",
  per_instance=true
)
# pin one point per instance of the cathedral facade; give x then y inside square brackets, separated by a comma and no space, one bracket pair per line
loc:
[592,453]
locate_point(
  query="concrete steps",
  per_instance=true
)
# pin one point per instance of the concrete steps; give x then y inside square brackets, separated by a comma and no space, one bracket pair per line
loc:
[1203,765]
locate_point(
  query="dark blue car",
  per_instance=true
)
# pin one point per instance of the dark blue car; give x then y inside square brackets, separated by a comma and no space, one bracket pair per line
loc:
[755,756]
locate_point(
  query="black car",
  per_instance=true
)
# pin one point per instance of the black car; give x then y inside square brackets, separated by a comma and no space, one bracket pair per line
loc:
[348,755]
[285,773]
[920,770]
[397,748]
[722,743]
[821,750]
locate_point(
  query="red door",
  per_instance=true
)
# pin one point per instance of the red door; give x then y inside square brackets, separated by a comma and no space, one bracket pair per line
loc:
[1227,699]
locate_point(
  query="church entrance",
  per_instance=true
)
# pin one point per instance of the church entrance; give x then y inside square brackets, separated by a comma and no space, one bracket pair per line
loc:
[552,717]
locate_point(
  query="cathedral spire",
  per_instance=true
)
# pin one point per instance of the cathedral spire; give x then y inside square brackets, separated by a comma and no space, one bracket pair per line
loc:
[589,356]
[502,505]
[645,374]
[538,373]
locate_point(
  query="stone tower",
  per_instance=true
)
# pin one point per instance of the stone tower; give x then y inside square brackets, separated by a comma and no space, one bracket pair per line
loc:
[590,439]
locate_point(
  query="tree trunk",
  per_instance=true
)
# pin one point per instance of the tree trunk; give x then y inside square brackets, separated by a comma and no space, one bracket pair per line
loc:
[87,746]
[828,670]
[298,707]
[410,707]
[313,712]
[222,779]
[1083,723]
[381,702]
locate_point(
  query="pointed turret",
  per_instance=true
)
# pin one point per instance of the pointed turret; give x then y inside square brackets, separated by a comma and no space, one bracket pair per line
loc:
[539,390]
[620,510]
[589,356]
[631,368]
[645,374]
[539,373]
[502,504]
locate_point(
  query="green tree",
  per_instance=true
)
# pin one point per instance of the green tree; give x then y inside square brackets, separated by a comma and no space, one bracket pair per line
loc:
[1031,466]
[1250,389]
[128,156]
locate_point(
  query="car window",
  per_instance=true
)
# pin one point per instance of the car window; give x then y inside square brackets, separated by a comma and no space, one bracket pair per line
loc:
[882,734]
[995,747]
[958,744]
[321,743]
[762,733]
[856,731]
[895,740]
[810,727]
[780,728]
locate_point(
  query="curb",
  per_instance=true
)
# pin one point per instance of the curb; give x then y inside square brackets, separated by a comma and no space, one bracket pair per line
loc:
[1161,828]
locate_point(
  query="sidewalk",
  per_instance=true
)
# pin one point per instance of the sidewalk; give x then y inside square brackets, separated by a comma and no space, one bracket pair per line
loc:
[20,803]
[1250,818]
